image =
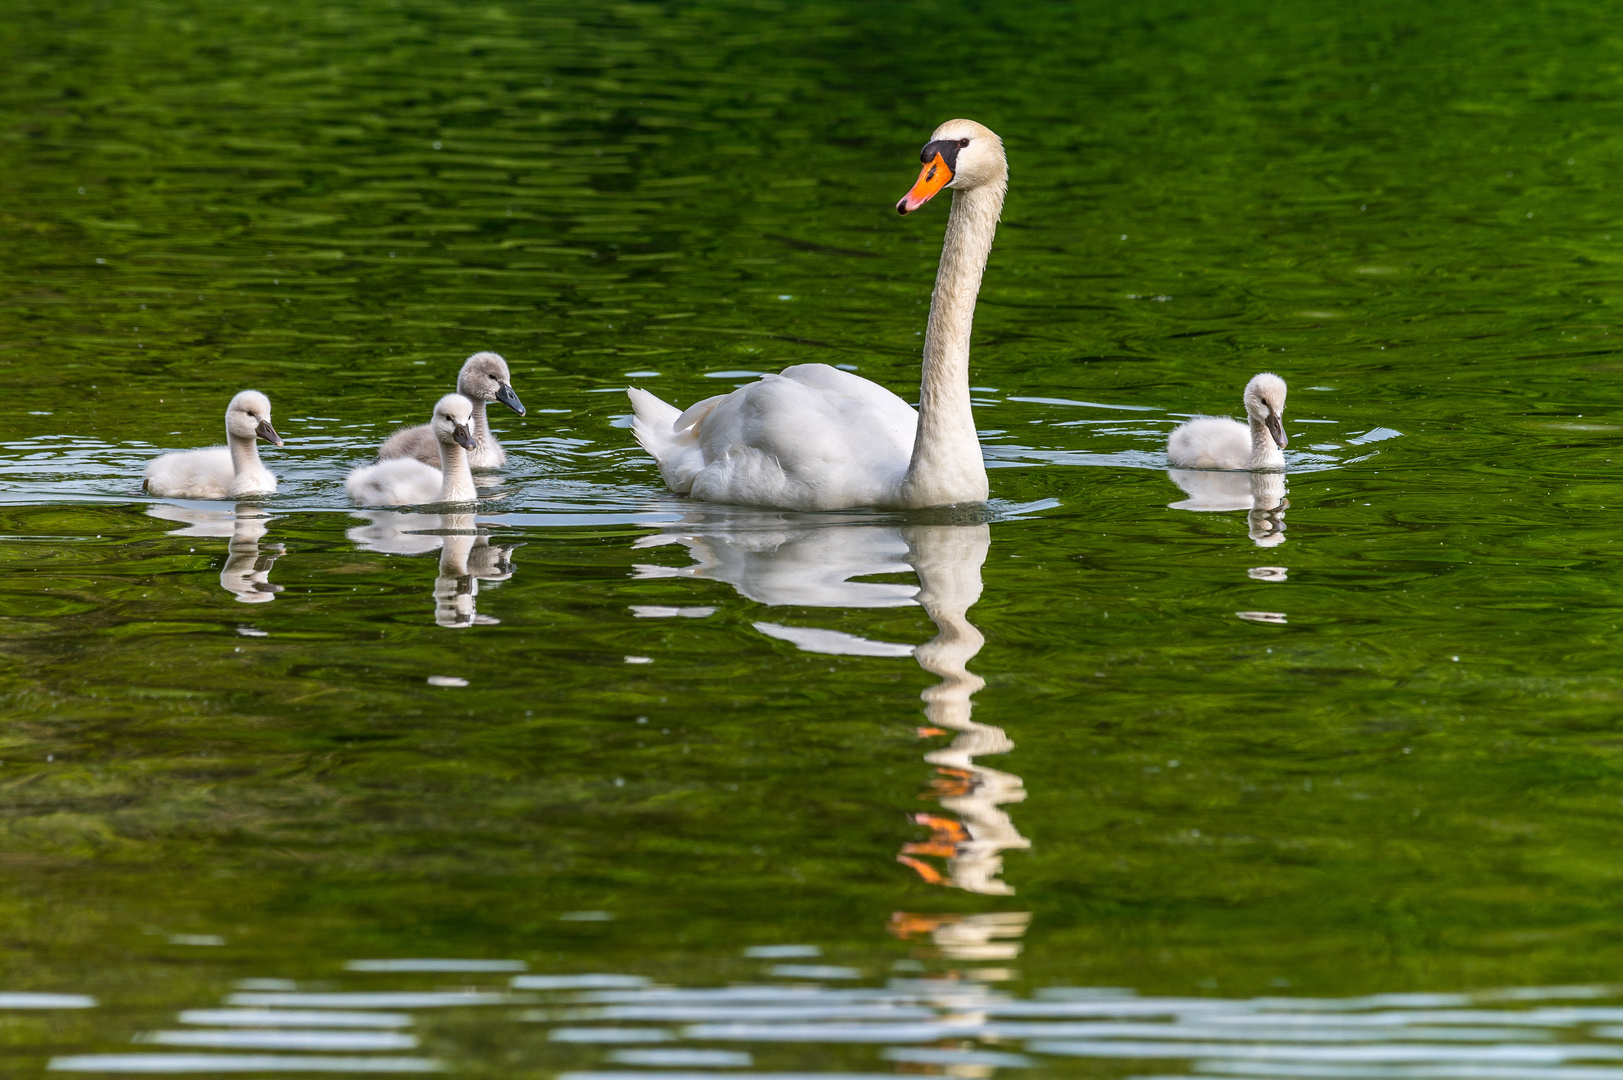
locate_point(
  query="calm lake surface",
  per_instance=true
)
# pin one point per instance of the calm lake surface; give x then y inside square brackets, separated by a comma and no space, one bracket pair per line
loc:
[1128,775]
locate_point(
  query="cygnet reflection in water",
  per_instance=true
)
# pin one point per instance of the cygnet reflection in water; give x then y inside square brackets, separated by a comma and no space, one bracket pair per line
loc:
[786,559]
[1261,494]
[248,563]
[467,557]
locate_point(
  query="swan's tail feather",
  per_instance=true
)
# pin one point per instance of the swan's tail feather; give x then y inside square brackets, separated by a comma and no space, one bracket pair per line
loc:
[653,421]
[676,450]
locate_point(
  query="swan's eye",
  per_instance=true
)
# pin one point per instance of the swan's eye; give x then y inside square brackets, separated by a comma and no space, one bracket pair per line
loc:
[963,142]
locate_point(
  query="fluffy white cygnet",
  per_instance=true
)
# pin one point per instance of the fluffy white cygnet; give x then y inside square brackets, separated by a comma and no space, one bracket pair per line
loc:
[406,481]
[1216,442]
[221,472]
[484,378]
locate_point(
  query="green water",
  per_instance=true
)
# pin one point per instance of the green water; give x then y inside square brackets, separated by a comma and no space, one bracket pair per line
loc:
[689,730]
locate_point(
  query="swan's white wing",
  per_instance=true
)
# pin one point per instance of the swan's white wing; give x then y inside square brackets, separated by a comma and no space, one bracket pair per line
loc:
[813,438]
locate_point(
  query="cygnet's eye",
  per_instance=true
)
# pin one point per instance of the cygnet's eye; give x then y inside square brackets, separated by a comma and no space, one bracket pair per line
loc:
[963,142]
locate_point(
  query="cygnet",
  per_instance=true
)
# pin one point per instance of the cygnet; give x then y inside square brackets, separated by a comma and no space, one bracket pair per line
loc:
[221,472]
[1216,442]
[407,482]
[484,378]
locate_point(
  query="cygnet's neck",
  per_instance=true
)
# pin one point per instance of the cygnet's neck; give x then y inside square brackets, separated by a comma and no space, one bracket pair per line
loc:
[244,453]
[946,466]
[481,428]
[456,484]
[1265,453]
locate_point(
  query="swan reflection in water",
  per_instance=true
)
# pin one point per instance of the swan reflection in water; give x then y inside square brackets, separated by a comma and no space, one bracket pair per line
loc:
[785,559]
[467,557]
[248,563]
[1261,494]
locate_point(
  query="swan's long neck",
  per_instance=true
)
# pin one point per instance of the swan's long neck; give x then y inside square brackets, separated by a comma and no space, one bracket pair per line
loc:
[457,482]
[946,467]
[244,453]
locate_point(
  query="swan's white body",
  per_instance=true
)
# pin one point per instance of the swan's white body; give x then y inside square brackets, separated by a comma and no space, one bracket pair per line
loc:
[1216,442]
[790,440]
[817,438]
[484,378]
[221,472]
[408,482]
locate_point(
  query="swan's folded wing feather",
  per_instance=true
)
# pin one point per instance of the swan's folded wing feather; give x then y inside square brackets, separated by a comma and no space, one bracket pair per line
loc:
[813,438]
[694,414]
[832,380]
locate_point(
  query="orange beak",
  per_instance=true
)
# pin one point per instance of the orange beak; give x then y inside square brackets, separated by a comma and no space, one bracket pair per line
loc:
[932,178]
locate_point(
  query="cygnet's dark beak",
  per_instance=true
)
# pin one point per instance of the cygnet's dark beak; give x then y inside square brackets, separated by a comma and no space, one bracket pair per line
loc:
[505,395]
[268,433]
[462,435]
[1277,429]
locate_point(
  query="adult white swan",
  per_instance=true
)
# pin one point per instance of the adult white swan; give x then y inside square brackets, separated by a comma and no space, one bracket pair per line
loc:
[817,438]
[221,472]
[1216,442]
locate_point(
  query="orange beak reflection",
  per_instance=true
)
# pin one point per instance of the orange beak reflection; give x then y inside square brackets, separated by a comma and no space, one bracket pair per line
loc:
[932,178]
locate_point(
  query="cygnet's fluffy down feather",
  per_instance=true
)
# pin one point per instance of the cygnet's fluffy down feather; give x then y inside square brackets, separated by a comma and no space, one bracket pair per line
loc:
[221,472]
[396,482]
[1216,442]
[1210,442]
[484,378]
[811,438]
[407,481]
[200,474]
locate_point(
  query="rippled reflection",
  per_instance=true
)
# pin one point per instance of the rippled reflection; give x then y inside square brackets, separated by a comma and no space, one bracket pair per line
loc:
[990,935]
[467,557]
[1260,494]
[248,563]
[948,561]
[953,1021]
[783,559]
